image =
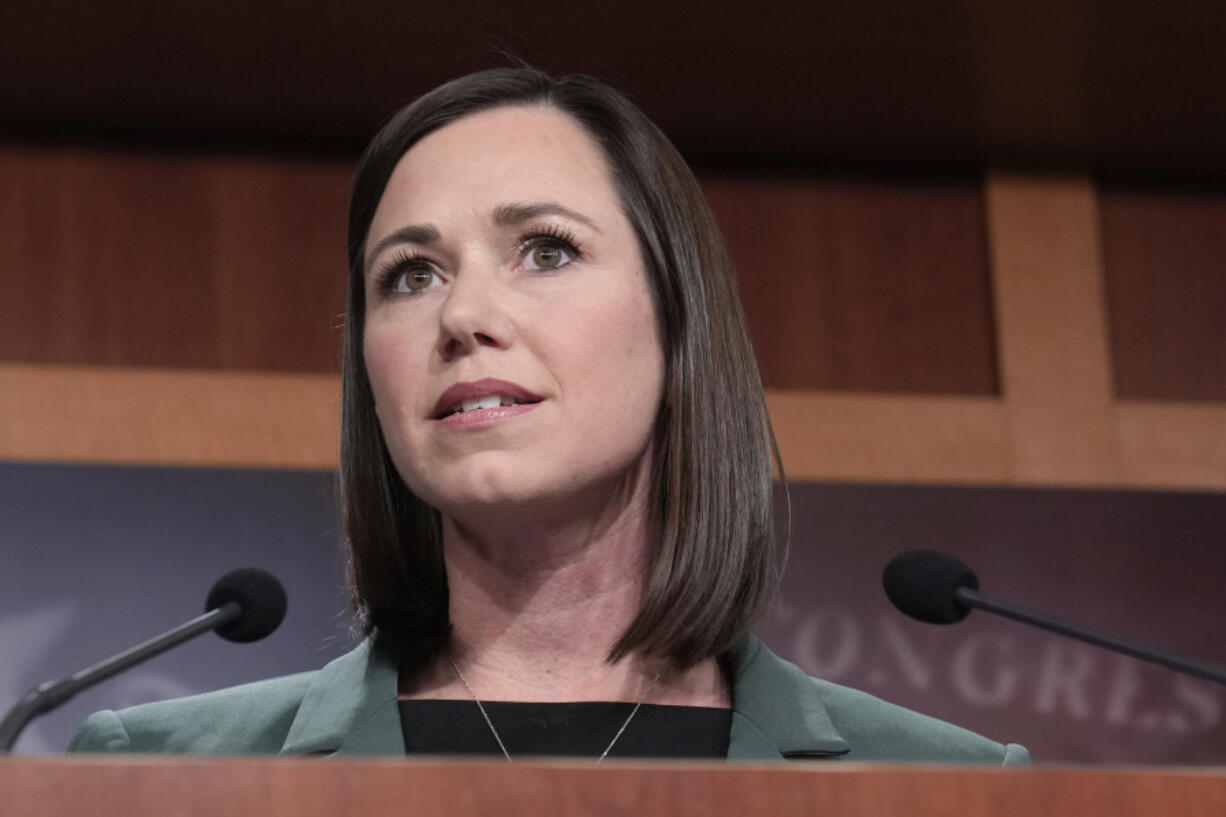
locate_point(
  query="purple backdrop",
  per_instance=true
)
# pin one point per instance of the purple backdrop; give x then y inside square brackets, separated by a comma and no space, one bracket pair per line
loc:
[1151,566]
[97,558]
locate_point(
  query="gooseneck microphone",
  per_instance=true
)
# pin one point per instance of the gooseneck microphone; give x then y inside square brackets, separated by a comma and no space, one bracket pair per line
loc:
[939,589]
[244,605]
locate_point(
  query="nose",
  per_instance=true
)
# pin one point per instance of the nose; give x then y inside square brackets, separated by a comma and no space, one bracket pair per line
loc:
[472,316]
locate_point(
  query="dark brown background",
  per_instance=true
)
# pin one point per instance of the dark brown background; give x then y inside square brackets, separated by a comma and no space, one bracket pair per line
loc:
[1080,84]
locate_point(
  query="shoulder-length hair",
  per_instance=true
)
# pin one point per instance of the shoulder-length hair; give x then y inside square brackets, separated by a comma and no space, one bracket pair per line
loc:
[713,561]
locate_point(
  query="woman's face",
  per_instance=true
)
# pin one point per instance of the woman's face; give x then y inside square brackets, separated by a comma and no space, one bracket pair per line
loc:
[511,340]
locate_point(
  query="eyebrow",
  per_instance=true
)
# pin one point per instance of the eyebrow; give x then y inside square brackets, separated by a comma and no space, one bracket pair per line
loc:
[519,212]
[412,234]
[505,215]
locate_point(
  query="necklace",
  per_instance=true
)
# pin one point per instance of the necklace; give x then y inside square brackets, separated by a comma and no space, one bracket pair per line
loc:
[498,737]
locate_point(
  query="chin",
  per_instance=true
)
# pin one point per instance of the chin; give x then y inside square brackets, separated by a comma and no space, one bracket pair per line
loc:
[481,489]
[528,489]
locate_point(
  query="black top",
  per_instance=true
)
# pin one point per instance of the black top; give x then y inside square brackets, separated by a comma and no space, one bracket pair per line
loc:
[564,729]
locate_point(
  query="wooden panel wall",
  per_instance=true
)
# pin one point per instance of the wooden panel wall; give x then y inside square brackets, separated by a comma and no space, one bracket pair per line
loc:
[224,263]
[184,309]
[862,286]
[171,260]
[1165,259]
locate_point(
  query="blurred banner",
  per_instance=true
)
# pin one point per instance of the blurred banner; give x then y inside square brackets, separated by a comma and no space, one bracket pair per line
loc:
[96,558]
[1149,566]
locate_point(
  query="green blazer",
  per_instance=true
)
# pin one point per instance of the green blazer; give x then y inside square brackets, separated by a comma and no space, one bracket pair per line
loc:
[349,708]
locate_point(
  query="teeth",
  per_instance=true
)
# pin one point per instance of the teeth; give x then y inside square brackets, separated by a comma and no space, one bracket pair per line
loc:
[492,401]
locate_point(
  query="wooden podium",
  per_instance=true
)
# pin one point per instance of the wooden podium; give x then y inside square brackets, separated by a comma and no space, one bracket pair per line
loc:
[310,787]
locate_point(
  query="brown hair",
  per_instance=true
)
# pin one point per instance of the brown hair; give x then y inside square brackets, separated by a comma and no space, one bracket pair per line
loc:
[714,560]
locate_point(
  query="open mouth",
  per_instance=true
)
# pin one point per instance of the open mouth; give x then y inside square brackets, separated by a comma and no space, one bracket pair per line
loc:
[481,403]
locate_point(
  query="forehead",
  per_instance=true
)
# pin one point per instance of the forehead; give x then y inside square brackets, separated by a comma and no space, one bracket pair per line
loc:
[507,154]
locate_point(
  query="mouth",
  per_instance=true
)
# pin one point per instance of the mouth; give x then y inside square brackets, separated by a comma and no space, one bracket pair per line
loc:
[477,404]
[482,395]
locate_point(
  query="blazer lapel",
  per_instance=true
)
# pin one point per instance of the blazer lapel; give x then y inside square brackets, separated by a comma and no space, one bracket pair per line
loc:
[777,712]
[350,708]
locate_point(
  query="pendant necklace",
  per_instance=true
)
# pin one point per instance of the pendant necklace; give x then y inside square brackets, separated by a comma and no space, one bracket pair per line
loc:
[498,737]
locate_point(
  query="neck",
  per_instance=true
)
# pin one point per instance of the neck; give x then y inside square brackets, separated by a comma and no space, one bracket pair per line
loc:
[536,605]
[534,614]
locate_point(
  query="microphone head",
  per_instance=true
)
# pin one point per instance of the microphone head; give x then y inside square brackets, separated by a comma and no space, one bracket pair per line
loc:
[924,585]
[260,595]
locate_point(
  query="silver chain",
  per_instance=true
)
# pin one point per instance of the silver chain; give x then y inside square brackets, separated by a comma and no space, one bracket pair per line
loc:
[498,737]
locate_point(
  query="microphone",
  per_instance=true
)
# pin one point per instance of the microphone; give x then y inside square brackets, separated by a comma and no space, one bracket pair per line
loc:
[244,605]
[939,589]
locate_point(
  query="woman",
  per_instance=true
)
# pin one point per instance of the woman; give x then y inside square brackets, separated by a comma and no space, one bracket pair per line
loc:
[556,466]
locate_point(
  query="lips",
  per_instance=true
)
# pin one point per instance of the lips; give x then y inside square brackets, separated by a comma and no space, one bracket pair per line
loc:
[480,394]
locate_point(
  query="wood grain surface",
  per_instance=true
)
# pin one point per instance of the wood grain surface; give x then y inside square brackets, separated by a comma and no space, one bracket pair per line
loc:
[168,417]
[218,262]
[1055,365]
[177,308]
[863,286]
[1164,254]
[171,260]
[310,787]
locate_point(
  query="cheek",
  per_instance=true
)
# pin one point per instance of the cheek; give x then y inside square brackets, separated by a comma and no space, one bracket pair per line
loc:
[374,352]
[394,379]
[617,352]
[642,348]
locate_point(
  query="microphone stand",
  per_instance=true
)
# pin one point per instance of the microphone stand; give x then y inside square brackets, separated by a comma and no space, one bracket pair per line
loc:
[973,598]
[49,695]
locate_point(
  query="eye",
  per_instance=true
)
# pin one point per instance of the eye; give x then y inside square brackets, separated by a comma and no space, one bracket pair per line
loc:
[413,280]
[548,249]
[548,256]
[408,274]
